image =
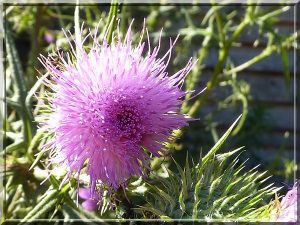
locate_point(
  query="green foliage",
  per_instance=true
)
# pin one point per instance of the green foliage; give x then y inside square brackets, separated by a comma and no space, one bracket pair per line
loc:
[221,29]
[223,193]
[20,86]
[217,187]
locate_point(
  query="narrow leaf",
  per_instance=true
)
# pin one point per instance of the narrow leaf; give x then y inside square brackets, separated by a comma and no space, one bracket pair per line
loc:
[216,147]
[45,205]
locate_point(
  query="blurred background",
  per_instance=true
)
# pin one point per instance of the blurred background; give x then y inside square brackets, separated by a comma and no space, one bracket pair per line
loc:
[245,59]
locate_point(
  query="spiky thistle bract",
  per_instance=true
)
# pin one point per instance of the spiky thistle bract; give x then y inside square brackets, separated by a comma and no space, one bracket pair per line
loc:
[214,188]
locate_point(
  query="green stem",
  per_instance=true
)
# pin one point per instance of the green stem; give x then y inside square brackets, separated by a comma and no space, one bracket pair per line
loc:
[243,117]
[223,53]
[88,14]
[264,54]
[35,41]
[195,76]
[112,21]
[21,91]
[274,13]
[123,18]
[220,27]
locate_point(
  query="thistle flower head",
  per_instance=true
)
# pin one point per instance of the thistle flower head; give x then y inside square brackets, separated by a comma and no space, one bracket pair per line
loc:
[286,210]
[112,108]
[288,206]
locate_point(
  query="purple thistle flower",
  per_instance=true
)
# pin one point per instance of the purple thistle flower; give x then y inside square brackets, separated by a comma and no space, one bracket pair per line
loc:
[112,107]
[288,206]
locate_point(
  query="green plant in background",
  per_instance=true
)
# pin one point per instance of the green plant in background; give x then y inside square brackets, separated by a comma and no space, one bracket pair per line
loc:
[220,28]
[208,189]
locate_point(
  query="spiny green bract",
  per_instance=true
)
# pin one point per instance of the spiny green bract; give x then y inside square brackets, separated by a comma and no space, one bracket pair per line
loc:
[211,191]
[214,188]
